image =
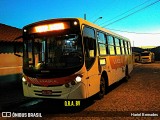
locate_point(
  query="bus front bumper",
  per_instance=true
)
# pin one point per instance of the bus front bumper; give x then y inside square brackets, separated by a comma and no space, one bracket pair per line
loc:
[77,91]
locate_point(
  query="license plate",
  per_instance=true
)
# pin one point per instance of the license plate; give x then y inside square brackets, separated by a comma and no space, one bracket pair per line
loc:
[46,92]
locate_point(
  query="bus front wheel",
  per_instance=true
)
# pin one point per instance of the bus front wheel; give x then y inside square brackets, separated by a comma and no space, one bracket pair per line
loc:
[102,91]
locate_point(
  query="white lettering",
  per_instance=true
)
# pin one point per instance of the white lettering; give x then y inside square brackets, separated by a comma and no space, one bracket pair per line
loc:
[152,114]
[6,114]
[34,115]
[144,114]
[13,114]
[135,114]
[117,61]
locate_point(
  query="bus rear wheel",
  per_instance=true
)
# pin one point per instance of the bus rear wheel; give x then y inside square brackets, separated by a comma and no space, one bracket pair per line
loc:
[127,76]
[102,91]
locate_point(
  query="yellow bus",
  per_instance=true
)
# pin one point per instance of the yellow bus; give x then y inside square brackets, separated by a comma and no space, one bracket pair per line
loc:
[147,57]
[71,58]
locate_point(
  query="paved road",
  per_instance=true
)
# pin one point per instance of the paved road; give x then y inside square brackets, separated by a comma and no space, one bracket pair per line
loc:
[140,96]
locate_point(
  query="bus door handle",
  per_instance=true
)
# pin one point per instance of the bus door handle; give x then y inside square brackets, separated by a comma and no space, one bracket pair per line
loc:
[87,77]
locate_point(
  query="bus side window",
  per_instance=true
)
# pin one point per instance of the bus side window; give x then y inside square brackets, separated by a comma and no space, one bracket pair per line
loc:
[107,46]
[118,49]
[122,47]
[126,47]
[89,46]
[129,48]
[125,50]
[111,45]
[102,44]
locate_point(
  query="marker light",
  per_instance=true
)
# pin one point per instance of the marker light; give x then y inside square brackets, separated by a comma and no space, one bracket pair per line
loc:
[73,82]
[50,27]
[25,30]
[67,85]
[75,23]
[78,79]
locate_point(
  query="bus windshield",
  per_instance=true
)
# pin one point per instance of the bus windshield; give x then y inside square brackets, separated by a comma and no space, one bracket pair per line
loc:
[53,52]
[144,54]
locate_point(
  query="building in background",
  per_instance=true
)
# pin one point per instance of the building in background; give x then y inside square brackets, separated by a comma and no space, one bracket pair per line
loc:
[9,63]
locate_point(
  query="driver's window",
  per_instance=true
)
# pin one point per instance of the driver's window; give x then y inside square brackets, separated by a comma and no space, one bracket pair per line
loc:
[89,46]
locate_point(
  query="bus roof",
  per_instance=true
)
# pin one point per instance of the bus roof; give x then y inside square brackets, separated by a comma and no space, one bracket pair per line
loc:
[82,22]
[100,28]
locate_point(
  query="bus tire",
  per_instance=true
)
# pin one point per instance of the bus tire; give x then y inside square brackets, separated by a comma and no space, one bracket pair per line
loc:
[102,91]
[127,76]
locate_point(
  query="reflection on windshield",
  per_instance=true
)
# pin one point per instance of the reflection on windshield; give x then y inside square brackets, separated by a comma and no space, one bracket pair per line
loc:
[53,52]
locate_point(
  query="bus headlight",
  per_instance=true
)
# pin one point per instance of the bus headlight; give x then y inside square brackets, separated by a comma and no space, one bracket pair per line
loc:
[78,79]
[24,80]
[74,82]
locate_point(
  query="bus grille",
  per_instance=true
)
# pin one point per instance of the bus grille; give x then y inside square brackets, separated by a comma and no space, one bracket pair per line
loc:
[48,85]
[53,93]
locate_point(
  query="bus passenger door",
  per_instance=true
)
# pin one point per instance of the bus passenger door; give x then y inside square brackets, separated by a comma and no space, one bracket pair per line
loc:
[91,61]
[93,78]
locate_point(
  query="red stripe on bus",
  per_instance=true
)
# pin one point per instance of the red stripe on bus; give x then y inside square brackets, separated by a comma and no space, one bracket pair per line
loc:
[51,81]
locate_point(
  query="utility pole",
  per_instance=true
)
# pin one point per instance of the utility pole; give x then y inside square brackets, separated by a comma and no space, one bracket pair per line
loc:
[85,16]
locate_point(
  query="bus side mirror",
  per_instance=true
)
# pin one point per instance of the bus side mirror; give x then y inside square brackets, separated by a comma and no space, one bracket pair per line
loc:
[17,47]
